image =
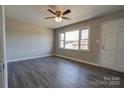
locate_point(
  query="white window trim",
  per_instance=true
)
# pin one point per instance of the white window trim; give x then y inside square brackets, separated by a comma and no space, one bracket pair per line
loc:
[88,27]
[61,40]
[87,50]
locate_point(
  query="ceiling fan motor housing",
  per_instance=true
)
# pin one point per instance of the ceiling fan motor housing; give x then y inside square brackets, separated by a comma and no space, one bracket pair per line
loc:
[58,13]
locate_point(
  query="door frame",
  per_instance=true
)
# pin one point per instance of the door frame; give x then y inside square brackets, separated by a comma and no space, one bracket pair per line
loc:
[101,40]
[4,49]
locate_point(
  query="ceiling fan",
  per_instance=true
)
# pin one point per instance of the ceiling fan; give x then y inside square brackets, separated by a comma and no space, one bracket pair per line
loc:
[59,15]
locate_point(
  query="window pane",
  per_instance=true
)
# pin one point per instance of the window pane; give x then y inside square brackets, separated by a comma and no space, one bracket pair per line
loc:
[84,44]
[62,36]
[84,39]
[84,34]
[71,40]
[61,44]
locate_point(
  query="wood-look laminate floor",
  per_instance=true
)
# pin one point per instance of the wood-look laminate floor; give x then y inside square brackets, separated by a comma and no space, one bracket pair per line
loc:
[56,72]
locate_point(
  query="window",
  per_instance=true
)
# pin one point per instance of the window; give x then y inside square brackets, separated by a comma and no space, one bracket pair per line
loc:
[84,39]
[71,40]
[62,40]
[77,40]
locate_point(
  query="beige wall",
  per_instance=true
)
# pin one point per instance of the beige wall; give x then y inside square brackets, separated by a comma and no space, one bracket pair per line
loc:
[93,54]
[27,40]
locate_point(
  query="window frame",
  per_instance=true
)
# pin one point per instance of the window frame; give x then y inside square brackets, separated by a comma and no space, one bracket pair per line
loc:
[85,27]
[61,40]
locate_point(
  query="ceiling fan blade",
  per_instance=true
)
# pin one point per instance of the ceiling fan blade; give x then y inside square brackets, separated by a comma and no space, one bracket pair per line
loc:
[66,18]
[49,17]
[66,12]
[51,11]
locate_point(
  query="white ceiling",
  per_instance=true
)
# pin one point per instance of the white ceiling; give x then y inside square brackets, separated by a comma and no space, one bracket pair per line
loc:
[36,14]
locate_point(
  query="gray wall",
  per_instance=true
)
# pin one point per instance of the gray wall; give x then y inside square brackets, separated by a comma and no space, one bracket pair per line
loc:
[27,40]
[93,54]
[1,35]
[1,48]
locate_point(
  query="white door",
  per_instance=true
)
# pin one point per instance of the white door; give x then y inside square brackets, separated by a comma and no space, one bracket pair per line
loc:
[113,45]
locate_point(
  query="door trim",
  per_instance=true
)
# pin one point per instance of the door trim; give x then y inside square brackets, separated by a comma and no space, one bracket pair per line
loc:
[4,48]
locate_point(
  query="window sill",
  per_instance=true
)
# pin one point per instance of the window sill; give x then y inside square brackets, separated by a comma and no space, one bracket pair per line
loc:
[76,49]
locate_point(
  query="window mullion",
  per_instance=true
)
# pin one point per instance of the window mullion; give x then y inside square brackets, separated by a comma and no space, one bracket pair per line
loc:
[64,39]
[60,40]
[79,39]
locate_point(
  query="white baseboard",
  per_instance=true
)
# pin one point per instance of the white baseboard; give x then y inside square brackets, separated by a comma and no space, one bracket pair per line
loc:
[79,60]
[21,59]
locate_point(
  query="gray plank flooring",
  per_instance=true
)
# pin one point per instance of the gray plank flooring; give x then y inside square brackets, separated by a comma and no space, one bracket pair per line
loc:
[56,72]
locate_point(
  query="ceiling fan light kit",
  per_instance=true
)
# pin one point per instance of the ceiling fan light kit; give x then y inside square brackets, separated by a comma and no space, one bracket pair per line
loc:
[58,19]
[59,15]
